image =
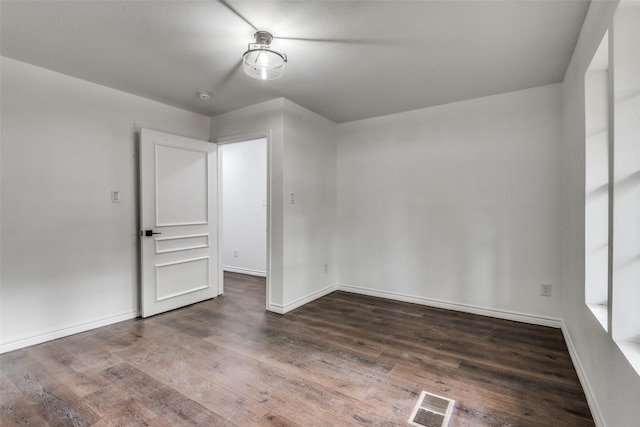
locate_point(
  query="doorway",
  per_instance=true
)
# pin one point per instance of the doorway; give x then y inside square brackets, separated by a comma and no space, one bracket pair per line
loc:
[243,208]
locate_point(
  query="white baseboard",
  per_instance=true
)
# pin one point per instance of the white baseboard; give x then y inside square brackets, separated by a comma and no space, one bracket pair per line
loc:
[483,311]
[64,332]
[245,271]
[596,413]
[282,309]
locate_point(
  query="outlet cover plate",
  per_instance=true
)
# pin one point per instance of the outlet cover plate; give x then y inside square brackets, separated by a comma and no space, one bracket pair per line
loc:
[545,289]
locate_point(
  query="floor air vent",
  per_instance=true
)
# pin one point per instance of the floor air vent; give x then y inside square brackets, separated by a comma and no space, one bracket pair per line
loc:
[431,411]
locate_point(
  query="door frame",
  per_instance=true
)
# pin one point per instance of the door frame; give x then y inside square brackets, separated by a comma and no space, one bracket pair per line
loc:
[229,140]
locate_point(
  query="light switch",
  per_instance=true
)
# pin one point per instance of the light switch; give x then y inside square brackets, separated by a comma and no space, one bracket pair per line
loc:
[115,197]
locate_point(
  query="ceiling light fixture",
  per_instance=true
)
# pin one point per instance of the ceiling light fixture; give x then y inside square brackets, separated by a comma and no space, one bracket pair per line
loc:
[204,95]
[260,62]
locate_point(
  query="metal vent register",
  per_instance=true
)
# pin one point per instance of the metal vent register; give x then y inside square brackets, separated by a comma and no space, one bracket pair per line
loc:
[431,411]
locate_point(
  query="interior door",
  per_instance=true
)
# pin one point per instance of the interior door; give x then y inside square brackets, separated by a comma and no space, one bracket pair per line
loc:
[178,201]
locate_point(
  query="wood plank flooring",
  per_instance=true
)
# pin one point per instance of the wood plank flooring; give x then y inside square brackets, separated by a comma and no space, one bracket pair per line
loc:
[342,360]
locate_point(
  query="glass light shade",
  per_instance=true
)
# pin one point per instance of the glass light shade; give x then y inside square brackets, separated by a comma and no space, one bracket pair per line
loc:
[262,63]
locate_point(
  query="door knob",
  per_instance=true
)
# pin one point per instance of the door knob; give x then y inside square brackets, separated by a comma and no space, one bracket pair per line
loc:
[149,233]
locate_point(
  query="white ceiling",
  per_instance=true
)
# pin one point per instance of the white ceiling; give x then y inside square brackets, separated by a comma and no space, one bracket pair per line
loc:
[348,60]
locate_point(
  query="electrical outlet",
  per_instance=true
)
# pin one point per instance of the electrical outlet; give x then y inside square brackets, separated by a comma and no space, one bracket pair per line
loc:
[545,289]
[235,253]
[326,268]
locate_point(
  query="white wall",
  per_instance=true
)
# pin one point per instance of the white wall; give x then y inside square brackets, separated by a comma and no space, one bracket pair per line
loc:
[455,205]
[611,384]
[302,160]
[310,224]
[69,255]
[244,206]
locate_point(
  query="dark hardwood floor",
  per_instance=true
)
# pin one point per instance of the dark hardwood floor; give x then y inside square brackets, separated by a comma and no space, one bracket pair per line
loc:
[342,360]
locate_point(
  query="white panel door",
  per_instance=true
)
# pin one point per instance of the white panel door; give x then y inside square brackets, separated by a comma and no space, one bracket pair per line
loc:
[178,201]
